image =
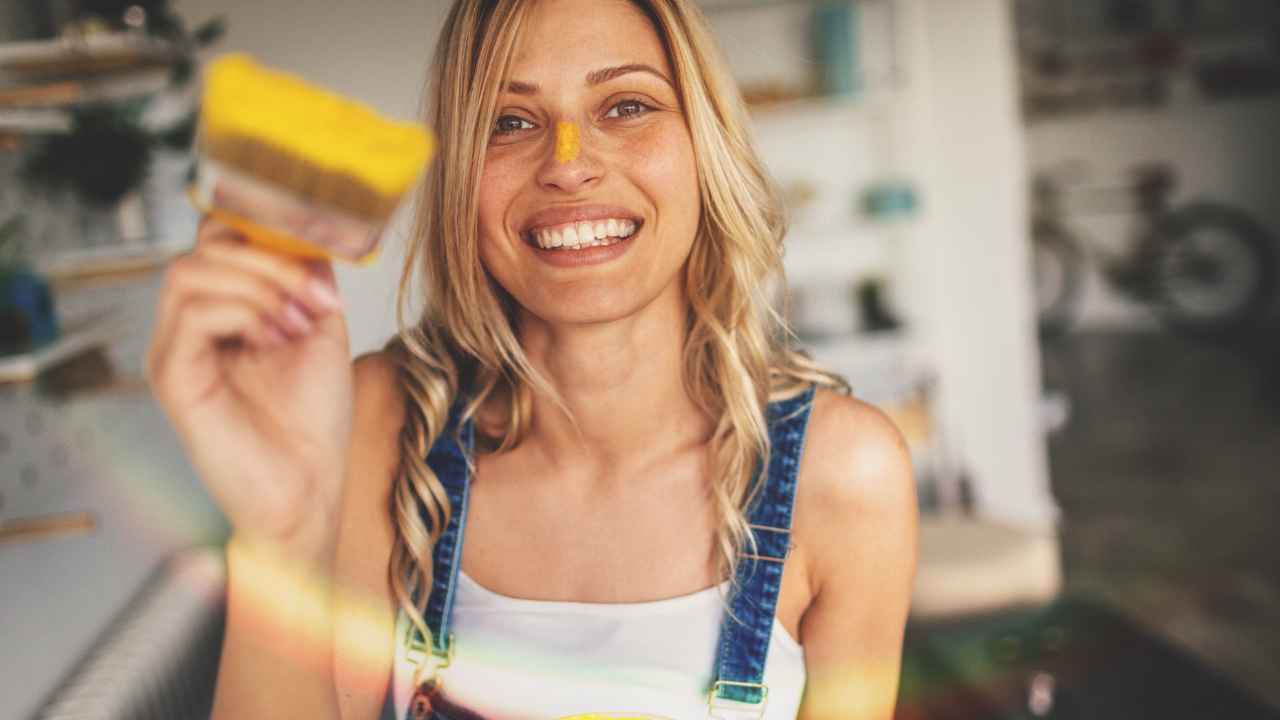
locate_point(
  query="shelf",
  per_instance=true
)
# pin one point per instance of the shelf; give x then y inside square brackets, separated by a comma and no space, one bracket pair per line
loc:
[84,55]
[883,368]
[73,93]
[76,338]
[93,265]
[42,81]
[840,254]
[811,105]
[47,108]
[870,105]
[35,121]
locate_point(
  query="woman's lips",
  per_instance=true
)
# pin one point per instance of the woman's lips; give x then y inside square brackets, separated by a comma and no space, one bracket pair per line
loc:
[574,236]
[558,215]
[589,254]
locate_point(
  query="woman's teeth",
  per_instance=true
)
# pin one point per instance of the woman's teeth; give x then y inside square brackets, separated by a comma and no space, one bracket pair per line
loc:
[575,236]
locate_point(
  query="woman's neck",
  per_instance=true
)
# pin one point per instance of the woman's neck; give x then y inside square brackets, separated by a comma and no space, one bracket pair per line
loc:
[622,382]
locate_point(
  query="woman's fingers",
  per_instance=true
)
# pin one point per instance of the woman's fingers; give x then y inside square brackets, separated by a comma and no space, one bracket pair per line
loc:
[308,282]
[323,269]
[205,322]
[270,297]
[291,291]
[198,275]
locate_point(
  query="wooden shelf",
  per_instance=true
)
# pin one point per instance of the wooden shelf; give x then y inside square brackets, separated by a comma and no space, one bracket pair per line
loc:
[811,105]
[34,121]
[77,337]
[47,108]
[78,268]
[84,56]
[42,81]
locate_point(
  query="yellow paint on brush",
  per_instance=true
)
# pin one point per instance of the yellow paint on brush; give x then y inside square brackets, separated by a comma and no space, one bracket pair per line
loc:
[568,141]
[245,99]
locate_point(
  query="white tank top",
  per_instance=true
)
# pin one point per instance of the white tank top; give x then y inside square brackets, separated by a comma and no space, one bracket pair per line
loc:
[542,660]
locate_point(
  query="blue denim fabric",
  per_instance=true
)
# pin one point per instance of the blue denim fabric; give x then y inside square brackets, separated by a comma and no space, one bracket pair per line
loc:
[747,627]
[450,459]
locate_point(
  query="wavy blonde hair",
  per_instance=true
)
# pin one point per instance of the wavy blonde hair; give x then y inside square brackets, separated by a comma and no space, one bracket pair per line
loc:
[736,353]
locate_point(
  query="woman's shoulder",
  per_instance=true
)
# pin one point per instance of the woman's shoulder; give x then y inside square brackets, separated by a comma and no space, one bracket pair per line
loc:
[856,480]
[379,402]
[377,417]
[852,442]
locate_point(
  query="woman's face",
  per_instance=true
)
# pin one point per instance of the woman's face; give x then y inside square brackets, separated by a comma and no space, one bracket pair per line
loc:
[596,230]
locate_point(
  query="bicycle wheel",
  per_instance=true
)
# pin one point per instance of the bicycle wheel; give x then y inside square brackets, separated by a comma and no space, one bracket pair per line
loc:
[1058,272]
[1215,270]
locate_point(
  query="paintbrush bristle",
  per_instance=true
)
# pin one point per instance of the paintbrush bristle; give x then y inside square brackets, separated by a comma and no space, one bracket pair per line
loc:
[315,144]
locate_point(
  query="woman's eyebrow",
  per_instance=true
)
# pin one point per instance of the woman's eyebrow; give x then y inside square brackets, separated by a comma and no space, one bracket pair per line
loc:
[604,75]
[595,77]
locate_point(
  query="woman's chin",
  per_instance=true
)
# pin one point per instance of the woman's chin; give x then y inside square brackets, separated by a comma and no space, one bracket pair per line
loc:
[583,307]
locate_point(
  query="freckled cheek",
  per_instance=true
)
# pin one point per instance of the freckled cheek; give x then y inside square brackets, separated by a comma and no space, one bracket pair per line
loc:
[498,187]
[664,165]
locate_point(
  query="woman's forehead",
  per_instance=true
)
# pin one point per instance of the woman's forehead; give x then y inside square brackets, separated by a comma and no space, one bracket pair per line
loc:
[566,40]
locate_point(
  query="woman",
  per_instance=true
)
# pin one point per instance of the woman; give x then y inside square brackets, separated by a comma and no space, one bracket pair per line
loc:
[662,503]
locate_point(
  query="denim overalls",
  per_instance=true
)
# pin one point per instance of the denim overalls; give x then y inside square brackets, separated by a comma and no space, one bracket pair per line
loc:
[737,691]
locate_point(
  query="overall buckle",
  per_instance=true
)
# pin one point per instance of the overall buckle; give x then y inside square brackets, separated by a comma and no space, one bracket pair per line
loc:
[720,709]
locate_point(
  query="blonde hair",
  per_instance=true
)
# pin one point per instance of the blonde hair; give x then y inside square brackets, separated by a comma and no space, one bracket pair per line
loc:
[736,354]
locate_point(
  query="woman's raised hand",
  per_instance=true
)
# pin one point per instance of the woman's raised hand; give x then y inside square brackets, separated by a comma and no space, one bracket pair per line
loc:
[250,361]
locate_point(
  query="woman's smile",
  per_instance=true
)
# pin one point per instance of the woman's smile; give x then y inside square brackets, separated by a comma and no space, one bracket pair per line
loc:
[581,235]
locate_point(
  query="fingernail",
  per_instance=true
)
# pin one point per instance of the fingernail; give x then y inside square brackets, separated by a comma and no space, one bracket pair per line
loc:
[323,293]
[275,337]
[295,318]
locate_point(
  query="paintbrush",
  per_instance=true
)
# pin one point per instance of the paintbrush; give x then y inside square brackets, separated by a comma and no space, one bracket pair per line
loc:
[297,168]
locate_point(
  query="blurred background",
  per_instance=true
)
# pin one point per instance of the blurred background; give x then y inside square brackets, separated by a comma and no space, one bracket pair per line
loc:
[1041,234]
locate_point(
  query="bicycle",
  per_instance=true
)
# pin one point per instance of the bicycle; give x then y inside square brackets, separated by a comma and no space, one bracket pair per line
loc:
[1206,268]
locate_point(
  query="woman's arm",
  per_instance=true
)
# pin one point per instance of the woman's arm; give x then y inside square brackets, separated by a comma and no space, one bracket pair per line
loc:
[364,625]
[313,638]
[856,522]
[277,652]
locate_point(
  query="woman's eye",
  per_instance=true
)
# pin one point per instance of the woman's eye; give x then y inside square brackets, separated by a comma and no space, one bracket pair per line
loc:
[508,124]
[628,108]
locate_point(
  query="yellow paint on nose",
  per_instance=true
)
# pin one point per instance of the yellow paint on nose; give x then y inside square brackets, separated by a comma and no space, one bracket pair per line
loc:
[568,141]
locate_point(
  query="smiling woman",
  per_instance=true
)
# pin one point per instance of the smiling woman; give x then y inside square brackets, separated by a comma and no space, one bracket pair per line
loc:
[614,490]
[612,358]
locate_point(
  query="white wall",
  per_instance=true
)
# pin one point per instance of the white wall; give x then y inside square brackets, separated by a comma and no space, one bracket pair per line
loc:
[373,50]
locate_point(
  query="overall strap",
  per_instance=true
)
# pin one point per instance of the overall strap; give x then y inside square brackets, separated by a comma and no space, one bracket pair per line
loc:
[449,458]
[743,650]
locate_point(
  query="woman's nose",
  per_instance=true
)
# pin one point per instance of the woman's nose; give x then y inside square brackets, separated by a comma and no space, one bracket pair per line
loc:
[568,165]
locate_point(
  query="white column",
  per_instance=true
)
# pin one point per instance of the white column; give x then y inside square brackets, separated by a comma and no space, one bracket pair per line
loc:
[972,248]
